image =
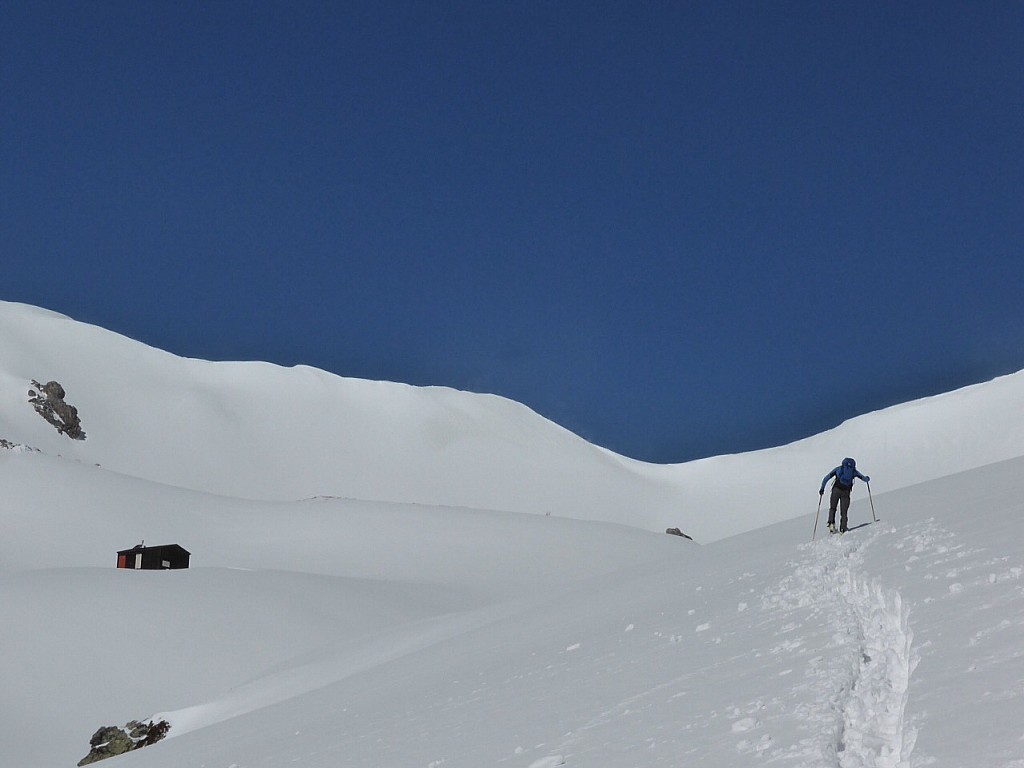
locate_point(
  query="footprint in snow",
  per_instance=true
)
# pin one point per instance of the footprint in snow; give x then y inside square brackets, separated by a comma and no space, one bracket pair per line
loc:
[764,743]
[549,762]
[746,724]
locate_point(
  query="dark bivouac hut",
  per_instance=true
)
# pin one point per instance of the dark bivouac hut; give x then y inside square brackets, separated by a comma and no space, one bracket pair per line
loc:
[162,557]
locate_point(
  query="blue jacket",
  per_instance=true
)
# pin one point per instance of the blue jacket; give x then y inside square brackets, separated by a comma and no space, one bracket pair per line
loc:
[835,472]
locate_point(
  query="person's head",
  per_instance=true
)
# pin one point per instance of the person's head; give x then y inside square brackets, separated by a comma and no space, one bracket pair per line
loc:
[851,463]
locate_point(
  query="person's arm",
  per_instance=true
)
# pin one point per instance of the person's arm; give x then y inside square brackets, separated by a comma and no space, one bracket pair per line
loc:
[865,478]
[824,480]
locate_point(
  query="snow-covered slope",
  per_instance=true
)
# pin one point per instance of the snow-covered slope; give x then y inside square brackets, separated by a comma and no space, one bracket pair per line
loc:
[255,430]
[330,632]
[273,587]
[896,447]
[402,627]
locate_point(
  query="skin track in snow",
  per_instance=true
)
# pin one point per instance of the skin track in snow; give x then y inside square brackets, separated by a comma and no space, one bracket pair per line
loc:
[860,692]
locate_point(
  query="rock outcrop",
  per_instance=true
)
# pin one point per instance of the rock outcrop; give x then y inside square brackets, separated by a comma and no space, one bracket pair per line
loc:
[110,740]
[16,446]
[48,400]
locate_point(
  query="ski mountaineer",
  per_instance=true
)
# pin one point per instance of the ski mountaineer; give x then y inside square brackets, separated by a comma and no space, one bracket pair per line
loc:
[844,474]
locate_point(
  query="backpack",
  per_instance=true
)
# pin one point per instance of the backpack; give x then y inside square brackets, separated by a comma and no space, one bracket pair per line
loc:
[845,473]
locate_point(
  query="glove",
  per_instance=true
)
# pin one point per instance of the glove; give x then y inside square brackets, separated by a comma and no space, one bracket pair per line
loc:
[821,491]
[867,479]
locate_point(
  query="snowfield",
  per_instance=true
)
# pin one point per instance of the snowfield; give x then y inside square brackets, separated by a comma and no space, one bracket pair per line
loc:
[391,576]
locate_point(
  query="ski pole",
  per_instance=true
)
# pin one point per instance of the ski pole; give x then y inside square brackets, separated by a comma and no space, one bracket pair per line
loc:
[815,533]
[873,516]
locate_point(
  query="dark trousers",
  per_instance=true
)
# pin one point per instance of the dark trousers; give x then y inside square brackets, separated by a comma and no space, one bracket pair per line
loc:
[840,496]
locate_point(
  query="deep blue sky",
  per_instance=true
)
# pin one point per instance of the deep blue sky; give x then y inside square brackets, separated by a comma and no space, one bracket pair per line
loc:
[677,228]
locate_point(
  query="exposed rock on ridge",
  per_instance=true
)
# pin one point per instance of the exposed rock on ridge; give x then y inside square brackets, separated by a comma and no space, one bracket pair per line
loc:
[16,446]
[48,400]
[111,740]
